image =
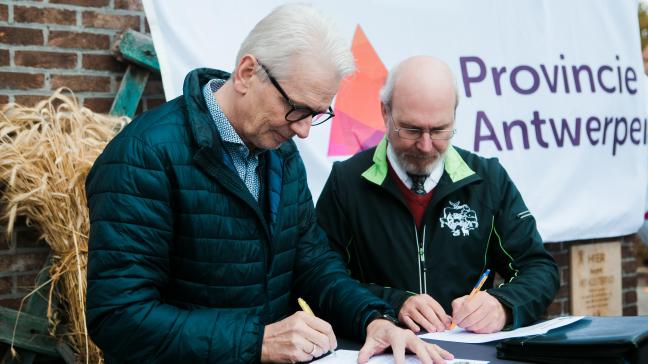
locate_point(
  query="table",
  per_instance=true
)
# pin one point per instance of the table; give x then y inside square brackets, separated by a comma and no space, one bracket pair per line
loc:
[486,351]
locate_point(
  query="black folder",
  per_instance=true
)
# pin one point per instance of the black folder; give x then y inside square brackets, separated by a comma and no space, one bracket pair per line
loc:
[591,340]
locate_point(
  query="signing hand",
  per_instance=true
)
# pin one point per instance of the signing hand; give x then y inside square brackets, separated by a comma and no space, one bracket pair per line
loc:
[297,338]
[423,310]
[483,314]
[382,334]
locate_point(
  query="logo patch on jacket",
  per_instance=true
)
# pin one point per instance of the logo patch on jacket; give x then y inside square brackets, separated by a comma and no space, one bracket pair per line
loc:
[460,219]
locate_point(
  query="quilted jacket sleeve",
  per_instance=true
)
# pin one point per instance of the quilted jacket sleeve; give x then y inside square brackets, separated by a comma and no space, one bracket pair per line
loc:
[516,250]
[321,278]
[131,231]
[332,219]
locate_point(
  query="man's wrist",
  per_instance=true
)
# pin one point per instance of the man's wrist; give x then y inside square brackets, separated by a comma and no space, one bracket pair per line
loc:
[377,315]
[509,321]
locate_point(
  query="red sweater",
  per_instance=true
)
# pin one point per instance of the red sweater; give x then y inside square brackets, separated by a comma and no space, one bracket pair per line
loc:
[416,203]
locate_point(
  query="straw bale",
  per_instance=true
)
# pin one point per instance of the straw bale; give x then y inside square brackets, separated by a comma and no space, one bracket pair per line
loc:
[46,152]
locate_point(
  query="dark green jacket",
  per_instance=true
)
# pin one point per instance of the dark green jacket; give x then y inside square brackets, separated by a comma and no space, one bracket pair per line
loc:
[184,266]
[475,220]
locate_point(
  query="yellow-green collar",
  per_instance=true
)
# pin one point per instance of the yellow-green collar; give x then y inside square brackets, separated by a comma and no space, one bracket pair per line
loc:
[454,165]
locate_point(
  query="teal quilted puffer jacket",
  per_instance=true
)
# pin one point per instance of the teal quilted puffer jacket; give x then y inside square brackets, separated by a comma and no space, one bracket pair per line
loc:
[183,265]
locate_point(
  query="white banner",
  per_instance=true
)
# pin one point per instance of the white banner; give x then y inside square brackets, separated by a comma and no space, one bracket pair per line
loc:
[554,89]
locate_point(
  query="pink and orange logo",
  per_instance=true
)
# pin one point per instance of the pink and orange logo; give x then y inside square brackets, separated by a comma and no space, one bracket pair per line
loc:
[358,123]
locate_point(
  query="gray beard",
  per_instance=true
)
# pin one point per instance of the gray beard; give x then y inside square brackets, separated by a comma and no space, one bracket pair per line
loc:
[413,168]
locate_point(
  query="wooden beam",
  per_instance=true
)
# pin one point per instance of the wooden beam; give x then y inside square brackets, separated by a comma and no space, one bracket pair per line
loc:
[130,91]
[36,305]
[31,332]
[138,48]
[66,352]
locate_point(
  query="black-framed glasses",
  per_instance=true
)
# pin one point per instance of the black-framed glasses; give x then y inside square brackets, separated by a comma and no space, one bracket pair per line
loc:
[417,133]
[296,112]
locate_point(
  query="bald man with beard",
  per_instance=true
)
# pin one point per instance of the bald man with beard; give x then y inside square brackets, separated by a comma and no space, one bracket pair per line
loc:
[418,220]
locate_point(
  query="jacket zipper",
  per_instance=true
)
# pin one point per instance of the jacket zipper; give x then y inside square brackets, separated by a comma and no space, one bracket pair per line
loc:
[420,248]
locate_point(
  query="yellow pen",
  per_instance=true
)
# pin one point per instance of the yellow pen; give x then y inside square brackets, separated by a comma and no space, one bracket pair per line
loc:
[306,308]
[474,291]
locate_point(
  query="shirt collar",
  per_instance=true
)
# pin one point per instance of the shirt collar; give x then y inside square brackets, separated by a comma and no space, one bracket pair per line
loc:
[430,182]
[224,126]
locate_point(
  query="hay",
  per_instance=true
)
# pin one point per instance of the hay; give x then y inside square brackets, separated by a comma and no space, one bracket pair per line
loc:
[46,153]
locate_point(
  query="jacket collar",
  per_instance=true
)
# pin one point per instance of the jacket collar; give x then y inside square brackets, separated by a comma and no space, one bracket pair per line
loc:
[454,166]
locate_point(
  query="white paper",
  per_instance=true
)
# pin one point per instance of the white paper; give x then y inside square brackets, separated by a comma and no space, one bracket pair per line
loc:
[351,357]
[460,335]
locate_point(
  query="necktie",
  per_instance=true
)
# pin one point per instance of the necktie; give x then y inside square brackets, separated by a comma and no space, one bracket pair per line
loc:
[418,180]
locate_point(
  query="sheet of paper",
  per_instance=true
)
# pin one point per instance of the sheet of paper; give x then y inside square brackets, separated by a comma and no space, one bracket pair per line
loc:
[351,357]
[460,335]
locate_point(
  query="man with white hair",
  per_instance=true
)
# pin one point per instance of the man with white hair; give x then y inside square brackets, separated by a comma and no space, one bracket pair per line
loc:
[418,221]
[203,231]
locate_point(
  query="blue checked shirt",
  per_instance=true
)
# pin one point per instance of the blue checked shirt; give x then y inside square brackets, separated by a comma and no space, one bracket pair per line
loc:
[245,161]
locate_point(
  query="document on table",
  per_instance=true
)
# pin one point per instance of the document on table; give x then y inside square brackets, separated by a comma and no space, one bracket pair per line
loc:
[351,357]
[460,335]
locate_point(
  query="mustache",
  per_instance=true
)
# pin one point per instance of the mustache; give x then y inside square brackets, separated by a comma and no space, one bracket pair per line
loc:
[419,164]
[419,156]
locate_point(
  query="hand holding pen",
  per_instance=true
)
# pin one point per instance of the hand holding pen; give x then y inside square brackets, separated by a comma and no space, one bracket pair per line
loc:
[299,337]
[479,311]
[306,308]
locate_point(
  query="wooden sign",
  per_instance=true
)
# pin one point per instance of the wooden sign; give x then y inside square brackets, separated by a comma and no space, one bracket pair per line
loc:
[596,279]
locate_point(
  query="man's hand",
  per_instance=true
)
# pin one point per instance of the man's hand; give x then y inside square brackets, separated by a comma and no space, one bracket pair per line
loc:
[382,334]
[297,338]
[483,314]
[423,310]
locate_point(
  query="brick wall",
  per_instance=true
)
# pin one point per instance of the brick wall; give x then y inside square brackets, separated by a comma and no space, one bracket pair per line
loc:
[21,257]
[560,251]
[52,43]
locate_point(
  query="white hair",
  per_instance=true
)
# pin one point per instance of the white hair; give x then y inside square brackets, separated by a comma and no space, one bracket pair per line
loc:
[388,88]
[296,30]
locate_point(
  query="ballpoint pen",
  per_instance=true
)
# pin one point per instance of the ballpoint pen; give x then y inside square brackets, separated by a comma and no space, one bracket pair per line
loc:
[474,291]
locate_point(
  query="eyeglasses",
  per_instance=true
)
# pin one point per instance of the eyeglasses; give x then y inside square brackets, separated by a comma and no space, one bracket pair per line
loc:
[296,112]
[416,133]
